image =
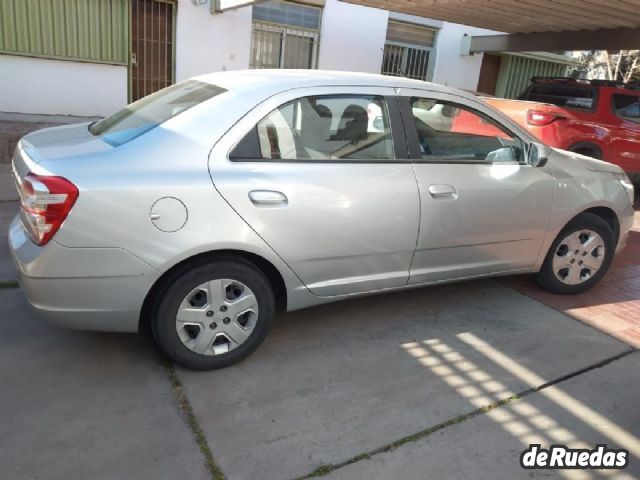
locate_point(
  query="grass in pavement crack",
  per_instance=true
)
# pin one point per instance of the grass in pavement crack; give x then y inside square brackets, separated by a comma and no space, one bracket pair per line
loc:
[9,284]
[192,422]
[326,469]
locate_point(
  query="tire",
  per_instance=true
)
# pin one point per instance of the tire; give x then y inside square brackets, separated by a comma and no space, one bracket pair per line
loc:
[198,327]
[587,150]
[556,278]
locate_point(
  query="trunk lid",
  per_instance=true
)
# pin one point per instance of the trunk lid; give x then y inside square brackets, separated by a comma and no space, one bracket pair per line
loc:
[67,141]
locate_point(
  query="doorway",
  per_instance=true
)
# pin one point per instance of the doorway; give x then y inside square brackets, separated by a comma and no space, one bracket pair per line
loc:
[151,64]
[489,72]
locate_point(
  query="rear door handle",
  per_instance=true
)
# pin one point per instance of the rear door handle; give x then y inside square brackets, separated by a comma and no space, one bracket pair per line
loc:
[268,198]
[443,191]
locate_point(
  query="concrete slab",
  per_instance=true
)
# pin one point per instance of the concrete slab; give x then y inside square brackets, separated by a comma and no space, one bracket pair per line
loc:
[8,192]
[78,405]
[597,407]
[335,381]
[8,210]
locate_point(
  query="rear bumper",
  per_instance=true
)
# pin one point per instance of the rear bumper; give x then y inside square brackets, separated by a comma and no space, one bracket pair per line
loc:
[82,288]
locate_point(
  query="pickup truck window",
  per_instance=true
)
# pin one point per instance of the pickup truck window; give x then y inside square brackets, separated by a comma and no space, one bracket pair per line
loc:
[561,95]
[627,106]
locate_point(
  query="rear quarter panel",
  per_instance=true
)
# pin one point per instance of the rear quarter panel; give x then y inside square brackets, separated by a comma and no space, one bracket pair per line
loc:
[118,189]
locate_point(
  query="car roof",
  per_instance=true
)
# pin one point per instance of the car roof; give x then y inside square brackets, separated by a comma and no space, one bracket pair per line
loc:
[278,80]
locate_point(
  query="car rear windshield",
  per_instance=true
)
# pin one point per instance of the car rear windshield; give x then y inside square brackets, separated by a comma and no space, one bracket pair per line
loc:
[149,112]
[561,95]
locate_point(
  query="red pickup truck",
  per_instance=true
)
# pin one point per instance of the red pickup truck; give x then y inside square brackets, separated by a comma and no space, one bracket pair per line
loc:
[597,118]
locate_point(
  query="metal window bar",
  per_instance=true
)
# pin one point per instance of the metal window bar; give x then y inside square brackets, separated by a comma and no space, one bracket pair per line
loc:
[406,60]
[280,46]
[152,41]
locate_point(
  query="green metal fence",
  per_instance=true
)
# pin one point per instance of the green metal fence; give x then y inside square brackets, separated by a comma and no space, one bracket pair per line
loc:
[81,30]
[516,72]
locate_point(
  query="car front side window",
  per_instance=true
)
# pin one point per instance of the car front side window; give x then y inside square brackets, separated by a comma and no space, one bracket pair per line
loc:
[453,133]
[322,128]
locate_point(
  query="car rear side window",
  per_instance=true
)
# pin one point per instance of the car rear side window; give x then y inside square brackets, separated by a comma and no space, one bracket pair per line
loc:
[153,110]
[562,95]
[322,128]
[452,133]
[627,106]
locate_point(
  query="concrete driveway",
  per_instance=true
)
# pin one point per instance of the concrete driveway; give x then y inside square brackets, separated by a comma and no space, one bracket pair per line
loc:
[445,382]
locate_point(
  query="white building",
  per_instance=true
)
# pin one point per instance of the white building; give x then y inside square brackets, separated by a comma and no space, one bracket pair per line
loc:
[94,56]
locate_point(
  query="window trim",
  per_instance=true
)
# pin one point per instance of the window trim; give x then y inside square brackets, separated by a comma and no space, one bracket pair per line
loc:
[413,143]
[396,124]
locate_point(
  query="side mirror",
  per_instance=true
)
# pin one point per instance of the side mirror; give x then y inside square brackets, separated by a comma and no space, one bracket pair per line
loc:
[538,155]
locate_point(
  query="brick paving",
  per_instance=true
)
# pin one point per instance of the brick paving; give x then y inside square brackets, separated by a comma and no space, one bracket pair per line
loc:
[612,306]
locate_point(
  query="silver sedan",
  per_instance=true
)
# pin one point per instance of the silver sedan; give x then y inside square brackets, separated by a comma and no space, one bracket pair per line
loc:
[203,208]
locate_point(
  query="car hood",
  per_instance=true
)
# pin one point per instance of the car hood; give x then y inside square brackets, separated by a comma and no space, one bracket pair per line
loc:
[589,163]
[66,141]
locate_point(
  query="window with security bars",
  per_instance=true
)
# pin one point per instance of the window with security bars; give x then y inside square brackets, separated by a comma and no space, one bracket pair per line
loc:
[285,35]
[409,50]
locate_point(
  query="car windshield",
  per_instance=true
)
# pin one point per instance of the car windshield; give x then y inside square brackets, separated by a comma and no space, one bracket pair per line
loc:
[153,110]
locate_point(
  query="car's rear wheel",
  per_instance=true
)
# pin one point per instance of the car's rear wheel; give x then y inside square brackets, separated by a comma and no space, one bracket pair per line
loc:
[213,315]
[579,257]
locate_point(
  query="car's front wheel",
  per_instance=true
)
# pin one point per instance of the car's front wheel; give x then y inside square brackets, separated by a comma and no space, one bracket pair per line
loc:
[213,315]
[579,257]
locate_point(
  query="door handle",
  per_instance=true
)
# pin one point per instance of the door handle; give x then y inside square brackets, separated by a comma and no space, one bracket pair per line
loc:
[268,198]
[443,191]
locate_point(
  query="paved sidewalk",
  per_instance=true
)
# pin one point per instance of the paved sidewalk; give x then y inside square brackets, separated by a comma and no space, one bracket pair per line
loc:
[581,412]
[8,210]
[14,126]
[335,382]
[8,192]
[613,305]
[80,405]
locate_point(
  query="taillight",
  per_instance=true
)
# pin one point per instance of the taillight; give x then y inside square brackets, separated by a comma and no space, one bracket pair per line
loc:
[540,118]
[45,201]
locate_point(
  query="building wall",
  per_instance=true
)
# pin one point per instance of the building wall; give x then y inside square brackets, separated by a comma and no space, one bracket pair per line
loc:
[36,85]
[451,68]
[352,37]
[211,43]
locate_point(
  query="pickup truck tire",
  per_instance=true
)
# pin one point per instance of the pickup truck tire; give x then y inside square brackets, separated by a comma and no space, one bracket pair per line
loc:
[587,149]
